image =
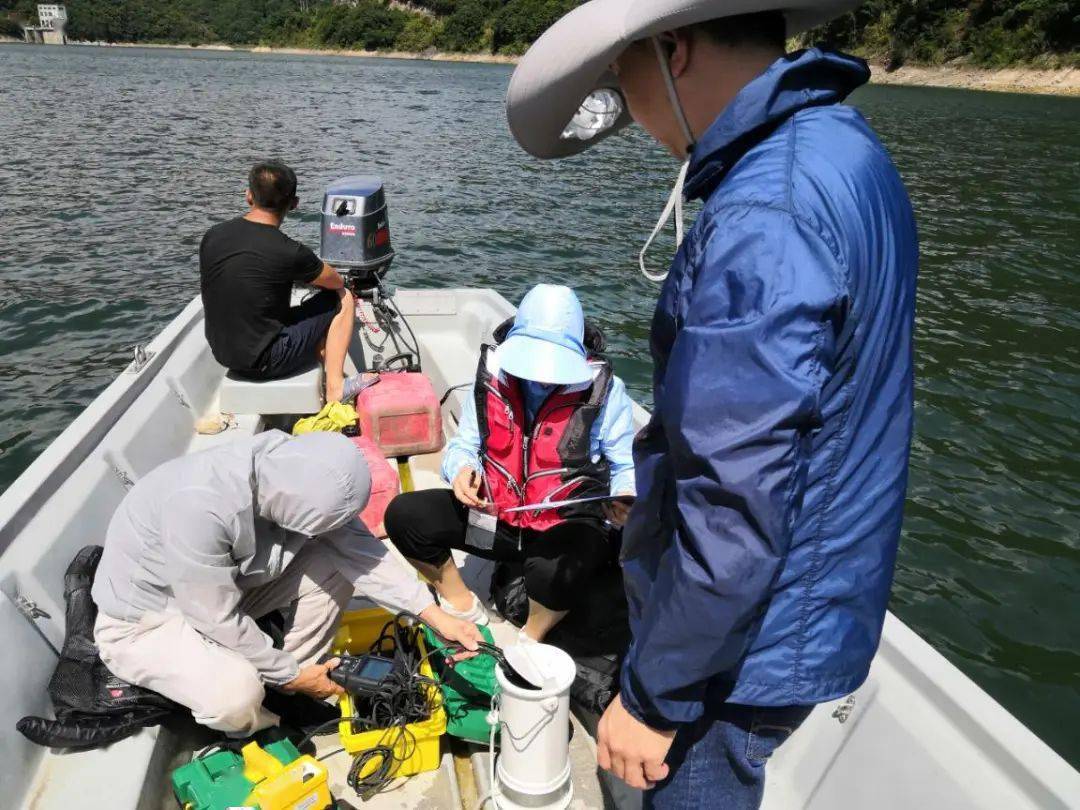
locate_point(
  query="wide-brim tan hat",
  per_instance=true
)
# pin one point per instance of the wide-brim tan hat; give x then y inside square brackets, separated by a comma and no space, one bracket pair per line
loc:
[573,57]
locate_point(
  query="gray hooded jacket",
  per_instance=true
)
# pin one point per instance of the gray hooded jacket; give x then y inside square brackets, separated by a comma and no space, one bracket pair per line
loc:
[197,531]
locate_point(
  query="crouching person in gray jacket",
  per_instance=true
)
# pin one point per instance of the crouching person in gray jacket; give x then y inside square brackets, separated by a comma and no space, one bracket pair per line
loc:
[206,544]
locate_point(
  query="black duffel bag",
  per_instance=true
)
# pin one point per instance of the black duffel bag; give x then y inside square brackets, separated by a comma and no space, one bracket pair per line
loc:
[93,707]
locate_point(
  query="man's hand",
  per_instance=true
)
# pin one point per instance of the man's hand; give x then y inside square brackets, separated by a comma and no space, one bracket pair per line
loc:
[631,750]
[467,488]
[314,680]
[464,633]
[618,511]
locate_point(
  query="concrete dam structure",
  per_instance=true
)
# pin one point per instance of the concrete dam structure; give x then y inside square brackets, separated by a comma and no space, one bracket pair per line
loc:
[51,27]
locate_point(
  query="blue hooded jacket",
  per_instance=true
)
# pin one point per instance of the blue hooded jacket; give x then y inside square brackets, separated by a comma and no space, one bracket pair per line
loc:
[759,556]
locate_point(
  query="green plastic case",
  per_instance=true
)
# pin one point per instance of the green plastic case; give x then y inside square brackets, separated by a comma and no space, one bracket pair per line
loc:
[216,781]
[467,689]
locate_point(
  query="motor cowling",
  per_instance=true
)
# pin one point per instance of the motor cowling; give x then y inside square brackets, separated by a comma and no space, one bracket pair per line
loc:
[355,235]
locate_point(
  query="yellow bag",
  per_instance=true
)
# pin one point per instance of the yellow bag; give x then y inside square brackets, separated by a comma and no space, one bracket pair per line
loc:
[333,417]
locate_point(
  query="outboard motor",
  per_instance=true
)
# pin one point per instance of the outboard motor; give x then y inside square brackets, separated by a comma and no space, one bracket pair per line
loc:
[356,231]
[355,240]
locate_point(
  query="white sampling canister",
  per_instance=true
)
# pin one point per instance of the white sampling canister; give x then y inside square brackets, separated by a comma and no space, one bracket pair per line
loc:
[533,768]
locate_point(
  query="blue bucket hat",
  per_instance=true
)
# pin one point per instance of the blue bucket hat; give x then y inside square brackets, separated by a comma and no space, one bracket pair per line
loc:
[547,341]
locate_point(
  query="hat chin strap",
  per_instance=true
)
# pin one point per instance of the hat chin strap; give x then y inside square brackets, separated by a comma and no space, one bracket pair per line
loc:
[674,202]
[673,95]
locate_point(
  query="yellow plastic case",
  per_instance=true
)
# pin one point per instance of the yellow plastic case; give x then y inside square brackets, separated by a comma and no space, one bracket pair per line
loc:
[417,750]
[300,785]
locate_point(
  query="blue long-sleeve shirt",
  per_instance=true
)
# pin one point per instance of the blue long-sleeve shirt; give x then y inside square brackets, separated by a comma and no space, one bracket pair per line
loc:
[612,435]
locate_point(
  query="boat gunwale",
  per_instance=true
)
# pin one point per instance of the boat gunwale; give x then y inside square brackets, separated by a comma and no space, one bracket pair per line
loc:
[84,434]
[1002,737]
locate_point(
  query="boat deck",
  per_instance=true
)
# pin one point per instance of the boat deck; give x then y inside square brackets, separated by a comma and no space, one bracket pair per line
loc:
[462,779]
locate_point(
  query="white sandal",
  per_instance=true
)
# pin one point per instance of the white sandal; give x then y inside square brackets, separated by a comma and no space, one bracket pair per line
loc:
[525,638]
[477,613]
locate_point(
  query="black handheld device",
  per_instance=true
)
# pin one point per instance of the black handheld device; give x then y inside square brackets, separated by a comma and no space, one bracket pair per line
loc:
[362,674]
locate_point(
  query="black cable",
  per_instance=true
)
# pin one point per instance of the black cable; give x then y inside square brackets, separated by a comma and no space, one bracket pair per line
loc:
[415,343]
[451,390]
[366,786]
[404,697]
[495,652]
[315,732]
[334,753]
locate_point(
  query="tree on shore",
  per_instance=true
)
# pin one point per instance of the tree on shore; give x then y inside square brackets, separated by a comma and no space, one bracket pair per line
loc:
[990,33]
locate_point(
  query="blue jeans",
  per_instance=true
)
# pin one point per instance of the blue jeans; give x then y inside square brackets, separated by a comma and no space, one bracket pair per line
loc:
[719,761]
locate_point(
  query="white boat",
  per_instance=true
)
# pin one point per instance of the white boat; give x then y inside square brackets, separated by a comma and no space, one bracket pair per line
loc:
[918,734]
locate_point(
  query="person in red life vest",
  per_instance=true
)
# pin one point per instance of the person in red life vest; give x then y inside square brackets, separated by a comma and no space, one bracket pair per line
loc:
[547,422]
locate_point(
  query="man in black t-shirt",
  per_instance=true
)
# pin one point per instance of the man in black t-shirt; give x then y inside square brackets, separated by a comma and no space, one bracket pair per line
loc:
[248,267]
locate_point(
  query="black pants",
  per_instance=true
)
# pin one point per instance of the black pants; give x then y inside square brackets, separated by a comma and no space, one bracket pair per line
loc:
[558,563]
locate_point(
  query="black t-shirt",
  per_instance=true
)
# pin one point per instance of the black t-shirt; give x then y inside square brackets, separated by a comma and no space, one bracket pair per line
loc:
[247,271]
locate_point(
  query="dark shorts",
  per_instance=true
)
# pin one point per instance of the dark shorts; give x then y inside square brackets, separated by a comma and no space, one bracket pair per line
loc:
[296,346]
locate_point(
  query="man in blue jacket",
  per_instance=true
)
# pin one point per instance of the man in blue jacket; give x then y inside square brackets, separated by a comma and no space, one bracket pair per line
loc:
[776,456]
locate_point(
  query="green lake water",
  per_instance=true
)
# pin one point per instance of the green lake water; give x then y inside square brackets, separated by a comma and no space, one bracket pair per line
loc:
[114,161]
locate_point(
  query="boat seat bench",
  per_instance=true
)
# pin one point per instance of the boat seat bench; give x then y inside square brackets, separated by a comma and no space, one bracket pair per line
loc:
[301,393]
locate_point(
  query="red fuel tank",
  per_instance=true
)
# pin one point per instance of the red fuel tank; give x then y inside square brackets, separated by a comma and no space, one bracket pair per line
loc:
[384,484]
[401,414]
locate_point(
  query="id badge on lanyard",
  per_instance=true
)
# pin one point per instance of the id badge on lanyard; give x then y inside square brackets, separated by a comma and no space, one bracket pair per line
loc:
[480,533]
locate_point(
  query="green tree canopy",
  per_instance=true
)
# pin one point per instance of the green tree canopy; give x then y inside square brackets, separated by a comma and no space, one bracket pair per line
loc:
[519,23]
[992,33]
[985,32]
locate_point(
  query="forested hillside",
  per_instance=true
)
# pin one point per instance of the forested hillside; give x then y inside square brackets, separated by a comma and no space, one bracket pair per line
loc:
[990,33]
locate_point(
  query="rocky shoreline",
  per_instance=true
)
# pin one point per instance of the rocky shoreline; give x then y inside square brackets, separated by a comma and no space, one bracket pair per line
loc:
[1060,81]
[434,56]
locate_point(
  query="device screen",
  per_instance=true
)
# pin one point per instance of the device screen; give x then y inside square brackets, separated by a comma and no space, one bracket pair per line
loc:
[375,669]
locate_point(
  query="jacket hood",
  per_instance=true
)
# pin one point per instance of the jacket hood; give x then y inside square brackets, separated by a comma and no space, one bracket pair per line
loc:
[311,484]
[793,82]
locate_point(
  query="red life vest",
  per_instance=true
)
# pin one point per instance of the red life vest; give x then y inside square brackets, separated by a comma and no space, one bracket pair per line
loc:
[547,460]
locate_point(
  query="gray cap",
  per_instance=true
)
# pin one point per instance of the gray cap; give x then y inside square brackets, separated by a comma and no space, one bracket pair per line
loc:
[571,59]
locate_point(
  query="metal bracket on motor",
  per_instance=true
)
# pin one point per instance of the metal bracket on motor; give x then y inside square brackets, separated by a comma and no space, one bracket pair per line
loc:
[377,296]
[389,319]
